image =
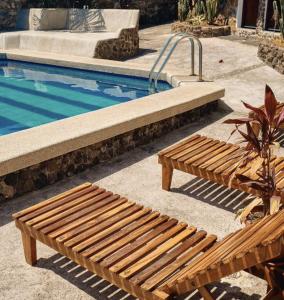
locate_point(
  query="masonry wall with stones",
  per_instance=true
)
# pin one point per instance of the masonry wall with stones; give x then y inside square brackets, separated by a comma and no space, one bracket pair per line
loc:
[127,45]
[272,55]
[53,170]
[201,31]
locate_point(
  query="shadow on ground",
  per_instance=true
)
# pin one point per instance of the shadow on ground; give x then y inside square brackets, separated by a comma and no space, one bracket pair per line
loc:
[102,290]
[7,208]
[142,52]
[214,194]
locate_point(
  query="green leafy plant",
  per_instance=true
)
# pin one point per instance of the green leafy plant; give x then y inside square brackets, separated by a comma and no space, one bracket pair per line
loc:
[200,8]
[212,8]
[259,153]
[183,9]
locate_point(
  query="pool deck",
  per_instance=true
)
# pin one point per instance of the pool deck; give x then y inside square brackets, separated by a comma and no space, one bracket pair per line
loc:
[137,175]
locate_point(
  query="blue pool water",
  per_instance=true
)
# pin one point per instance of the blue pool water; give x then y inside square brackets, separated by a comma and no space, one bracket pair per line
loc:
[33,94]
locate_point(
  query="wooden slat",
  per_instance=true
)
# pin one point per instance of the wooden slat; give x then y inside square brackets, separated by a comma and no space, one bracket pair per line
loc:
[63,209]
[168,258]
[104,220]
[182,150]
[158,278]
[221,250]
[111,260]
[129,259]
[88,237]
[211,154]
[183,155]
[83,217]
[129,234]
[147,259]
[147,254]
[61,219]
[199,152]
[215,161]
[178,145]
[33,208]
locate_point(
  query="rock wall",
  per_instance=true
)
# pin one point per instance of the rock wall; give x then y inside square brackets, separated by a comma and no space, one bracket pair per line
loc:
[272,55]
[127,45]
[53,170]
[201,31]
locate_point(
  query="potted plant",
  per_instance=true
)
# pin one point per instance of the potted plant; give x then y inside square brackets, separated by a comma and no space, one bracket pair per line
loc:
[262,127]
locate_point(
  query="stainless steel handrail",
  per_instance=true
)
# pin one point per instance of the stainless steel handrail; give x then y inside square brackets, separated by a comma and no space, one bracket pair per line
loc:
[154,76]
[164,48]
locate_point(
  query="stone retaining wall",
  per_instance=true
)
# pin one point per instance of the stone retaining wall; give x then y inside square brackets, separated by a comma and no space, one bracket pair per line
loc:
[53,170]
[272,55]
[127,45]
[201,31]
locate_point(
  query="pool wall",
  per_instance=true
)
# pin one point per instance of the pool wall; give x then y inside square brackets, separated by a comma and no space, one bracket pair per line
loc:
[34,158]
[53,170]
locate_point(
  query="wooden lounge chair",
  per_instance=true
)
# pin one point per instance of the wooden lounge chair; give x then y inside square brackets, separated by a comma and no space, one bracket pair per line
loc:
[212,160]
[149,255]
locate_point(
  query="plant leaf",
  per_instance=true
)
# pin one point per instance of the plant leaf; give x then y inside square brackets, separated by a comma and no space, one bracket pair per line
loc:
[270,103]
[238,121]
[250,139]
[280,118]
[252,135]
[259,113]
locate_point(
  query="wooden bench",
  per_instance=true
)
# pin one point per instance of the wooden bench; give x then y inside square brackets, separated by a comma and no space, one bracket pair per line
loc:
[149,255]
[213,160]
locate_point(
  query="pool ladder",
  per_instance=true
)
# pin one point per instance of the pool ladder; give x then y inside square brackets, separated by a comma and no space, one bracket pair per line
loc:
[155,76]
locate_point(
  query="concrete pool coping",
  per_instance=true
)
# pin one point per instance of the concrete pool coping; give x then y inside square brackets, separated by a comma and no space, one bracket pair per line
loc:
[29,147]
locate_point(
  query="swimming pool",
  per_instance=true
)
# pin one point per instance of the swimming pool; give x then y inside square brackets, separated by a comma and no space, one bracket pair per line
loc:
[35,94]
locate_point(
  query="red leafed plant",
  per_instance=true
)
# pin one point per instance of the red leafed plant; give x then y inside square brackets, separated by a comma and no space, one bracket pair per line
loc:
[262,126]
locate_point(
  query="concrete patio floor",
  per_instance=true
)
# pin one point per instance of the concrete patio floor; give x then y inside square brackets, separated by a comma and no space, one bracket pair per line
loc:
[138,176]
[242,73]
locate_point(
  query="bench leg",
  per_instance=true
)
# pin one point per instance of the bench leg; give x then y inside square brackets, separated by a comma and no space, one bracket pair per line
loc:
[29,245]
[167,175]
[205,293]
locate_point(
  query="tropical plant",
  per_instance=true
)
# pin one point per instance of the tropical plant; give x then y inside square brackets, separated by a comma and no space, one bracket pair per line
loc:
[259,153]
[212,9]
[207,9]
[200,8]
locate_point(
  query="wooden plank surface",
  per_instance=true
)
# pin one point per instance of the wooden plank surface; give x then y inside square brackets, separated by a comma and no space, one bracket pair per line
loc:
[141,251]
[213,160]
